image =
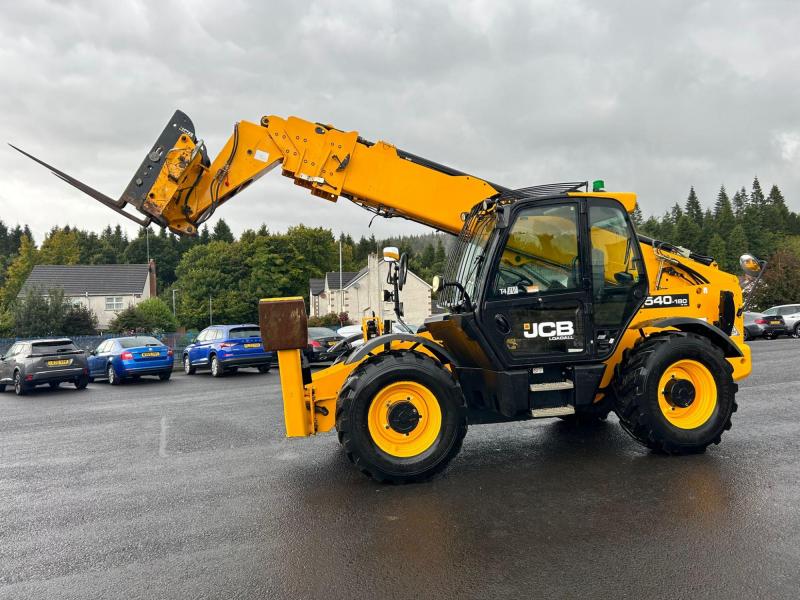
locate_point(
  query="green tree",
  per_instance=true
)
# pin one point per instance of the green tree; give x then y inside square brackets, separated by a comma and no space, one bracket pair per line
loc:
[693,210]
[149,316]
[780,284]
[724,218]
[19,269]
[222,233]
[719,251]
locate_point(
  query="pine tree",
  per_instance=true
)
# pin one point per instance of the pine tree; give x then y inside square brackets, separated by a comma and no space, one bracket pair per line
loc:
[693,209]
[757,195]
[736,243]
[222,233]
[739,204]
[776,211]
[718,250]
[724,218]
[637,217]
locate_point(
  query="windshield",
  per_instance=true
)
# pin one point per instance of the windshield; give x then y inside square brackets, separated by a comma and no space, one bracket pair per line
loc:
[135,342]
[467,260]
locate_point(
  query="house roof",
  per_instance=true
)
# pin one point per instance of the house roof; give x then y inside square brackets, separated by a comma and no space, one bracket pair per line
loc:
[88,279]
[317,286]
[332,279]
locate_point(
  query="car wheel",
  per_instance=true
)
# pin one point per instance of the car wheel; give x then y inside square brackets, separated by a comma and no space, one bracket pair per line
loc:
[54,385]
[20,389]
[187,366]
[81,382]
[113,378]
[216,368]
[263,369]
[796,331]
[2,388]
[165,375]
[747,336]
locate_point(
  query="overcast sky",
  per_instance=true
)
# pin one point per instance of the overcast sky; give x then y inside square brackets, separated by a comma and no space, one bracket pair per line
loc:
[650,96]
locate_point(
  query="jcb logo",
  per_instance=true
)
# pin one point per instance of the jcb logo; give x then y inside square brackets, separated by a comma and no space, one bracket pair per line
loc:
[550,329]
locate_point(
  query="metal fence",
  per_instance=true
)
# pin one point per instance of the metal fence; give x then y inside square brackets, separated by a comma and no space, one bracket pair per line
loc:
[176,341]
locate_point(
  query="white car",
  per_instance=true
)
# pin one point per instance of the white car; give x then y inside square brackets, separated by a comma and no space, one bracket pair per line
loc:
[790,314]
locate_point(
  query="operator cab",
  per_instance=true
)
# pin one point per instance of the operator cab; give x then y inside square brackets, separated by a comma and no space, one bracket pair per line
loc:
[541,281]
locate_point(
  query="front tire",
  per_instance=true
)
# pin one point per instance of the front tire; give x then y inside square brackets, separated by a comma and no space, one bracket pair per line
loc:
[401,417]
[187,366]
[796,331]
[676,393]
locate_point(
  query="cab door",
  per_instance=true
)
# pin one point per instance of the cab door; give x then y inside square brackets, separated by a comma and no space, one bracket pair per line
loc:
[537,299]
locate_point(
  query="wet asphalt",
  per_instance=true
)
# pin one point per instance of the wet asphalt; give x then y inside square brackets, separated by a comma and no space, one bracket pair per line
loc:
[188,489]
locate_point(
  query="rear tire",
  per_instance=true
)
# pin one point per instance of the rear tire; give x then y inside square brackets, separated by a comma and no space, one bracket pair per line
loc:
[412,386]
[187,366]
[216,368]
[54,385]
[81,382]
[263,369]
[645,407]
[165,375]
[2,387]
[113,378]
[20,389]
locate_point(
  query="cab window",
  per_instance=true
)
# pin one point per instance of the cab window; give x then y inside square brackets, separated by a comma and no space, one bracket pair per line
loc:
[540,254]
[771,312]
[615,264]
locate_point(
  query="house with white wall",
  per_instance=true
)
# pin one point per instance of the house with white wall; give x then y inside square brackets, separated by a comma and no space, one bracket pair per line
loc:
[103,289]
[360,294]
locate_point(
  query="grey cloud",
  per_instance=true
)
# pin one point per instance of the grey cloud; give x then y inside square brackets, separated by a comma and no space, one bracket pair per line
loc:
[651,96]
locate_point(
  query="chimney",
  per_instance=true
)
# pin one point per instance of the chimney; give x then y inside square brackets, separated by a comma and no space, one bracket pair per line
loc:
[152,269]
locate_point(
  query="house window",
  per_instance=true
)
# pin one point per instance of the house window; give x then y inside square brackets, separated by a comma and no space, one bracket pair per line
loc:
[113,302]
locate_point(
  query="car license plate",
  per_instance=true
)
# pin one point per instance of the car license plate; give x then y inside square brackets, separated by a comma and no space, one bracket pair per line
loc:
[331,344]
[252,345]
[150,354]
[774,322]
[64,362]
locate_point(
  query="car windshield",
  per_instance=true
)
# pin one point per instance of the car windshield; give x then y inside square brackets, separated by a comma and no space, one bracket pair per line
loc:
[239,333]
[54,347]
[316,333]
[133,342]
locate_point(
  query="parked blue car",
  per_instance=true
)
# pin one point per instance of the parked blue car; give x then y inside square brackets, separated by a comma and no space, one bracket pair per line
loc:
[225,348]
[122,358]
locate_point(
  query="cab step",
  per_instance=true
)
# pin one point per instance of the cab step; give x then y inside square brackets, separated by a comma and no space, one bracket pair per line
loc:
[552,386]
[553,411]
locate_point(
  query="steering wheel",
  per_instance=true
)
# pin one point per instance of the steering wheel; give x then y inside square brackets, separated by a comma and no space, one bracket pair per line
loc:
[402,271]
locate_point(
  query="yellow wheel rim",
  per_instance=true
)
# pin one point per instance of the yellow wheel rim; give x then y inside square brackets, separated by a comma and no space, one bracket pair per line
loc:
[406,399]
[705,400]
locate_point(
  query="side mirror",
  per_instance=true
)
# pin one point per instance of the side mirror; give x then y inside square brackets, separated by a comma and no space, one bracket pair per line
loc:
[2,356]
[93,352]
[437,284]
[750,264]
[391,254]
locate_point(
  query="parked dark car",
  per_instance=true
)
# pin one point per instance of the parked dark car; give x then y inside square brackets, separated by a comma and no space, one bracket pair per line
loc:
[790,314]
[225,348]
[122,358]
[758,325]
[43,362]
[321,340]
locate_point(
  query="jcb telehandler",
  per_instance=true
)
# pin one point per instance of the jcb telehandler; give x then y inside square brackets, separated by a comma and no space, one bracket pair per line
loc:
[555,307]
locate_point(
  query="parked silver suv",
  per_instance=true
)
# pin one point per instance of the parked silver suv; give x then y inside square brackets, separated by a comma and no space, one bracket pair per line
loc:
[790,314]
